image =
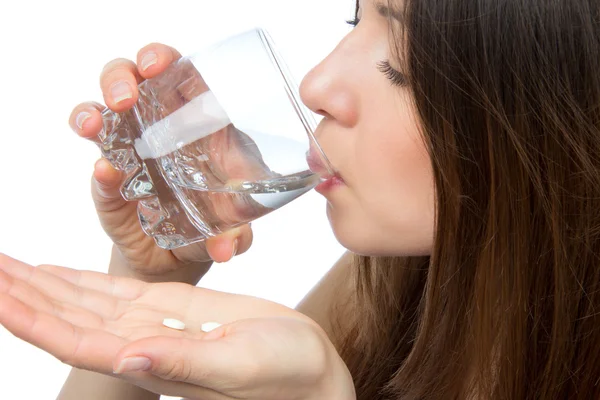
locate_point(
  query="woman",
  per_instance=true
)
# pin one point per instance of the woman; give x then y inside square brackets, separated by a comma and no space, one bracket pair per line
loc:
[467,137]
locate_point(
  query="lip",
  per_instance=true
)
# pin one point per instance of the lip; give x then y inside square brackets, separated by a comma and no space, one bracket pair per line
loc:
[329,180]
[329,184]
[315,163]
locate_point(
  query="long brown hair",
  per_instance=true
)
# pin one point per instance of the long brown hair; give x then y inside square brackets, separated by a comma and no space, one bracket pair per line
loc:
[508,304]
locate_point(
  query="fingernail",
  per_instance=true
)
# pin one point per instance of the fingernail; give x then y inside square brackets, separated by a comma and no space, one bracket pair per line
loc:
[132,364]
[120,91]
[148,60]
[81,118]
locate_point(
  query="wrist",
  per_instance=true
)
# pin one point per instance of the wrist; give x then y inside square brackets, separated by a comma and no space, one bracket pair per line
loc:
[190,273]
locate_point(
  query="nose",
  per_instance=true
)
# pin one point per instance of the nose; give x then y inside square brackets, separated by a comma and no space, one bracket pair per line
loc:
[330,90]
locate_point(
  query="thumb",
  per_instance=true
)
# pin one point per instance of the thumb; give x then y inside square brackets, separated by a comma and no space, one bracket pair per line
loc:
[177,359]
[106,182]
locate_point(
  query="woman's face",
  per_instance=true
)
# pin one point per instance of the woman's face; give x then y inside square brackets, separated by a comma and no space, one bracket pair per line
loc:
[385,205]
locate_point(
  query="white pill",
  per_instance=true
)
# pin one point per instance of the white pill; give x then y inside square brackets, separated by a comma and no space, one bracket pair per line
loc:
[209,326]
[174,324]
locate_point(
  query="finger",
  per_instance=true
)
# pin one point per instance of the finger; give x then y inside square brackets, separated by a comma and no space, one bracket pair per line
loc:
[186,391]
[196,361]
[88,349]
[57,289]
[82,348]
[23,292]
[192,85]
[155,58]
[106,187]
[37,300]
[118,81]
[227,245]
[86,119]
[118,287]
[65,293]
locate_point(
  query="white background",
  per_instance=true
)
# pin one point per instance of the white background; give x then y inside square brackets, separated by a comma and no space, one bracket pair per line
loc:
[51,54]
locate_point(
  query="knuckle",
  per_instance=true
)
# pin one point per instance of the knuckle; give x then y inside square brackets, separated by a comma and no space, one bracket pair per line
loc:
[71,357]
[86,106]
[172,371]
[118,73]
[151,46]
[117,68]
[163,49]
[78,107]
[115,64]
[179,370]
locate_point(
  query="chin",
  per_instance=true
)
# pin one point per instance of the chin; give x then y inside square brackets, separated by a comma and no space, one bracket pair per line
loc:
[355,238]
[364,248]
[366,240]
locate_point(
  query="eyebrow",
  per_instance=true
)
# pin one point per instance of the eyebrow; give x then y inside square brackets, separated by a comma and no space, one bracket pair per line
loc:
[385,11]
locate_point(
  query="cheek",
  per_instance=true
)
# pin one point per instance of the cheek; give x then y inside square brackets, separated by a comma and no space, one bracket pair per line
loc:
[396,192]
[393,155]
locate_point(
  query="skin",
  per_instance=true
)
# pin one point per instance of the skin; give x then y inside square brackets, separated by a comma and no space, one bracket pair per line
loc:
[113,326]
[134,252]
[385,206]
[371,137]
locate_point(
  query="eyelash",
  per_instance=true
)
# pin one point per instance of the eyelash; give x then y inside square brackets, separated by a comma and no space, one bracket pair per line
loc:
[396,77]
[353,22]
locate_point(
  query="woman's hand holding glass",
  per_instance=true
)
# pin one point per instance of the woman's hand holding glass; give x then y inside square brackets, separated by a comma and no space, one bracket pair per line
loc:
[134,250]
[95,321]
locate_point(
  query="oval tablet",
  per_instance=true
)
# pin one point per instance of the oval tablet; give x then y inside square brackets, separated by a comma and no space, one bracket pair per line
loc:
[174,324]
[209,326]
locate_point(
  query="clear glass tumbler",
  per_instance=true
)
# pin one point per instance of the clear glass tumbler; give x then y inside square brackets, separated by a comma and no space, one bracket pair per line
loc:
[217,140]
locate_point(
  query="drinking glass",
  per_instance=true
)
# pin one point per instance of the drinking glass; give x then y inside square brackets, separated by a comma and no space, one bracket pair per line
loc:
[217,140]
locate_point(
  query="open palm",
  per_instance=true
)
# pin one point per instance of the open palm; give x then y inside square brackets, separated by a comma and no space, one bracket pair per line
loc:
[91,321]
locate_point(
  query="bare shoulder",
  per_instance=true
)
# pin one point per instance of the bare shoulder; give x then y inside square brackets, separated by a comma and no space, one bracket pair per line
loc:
[329,299]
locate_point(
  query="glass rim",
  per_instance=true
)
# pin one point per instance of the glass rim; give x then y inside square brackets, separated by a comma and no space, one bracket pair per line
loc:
[292,91]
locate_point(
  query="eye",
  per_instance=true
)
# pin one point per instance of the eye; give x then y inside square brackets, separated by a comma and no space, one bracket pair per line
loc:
[396,77]
[353,22]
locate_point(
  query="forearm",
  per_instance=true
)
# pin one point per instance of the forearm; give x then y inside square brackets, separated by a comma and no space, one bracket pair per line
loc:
[88,385]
